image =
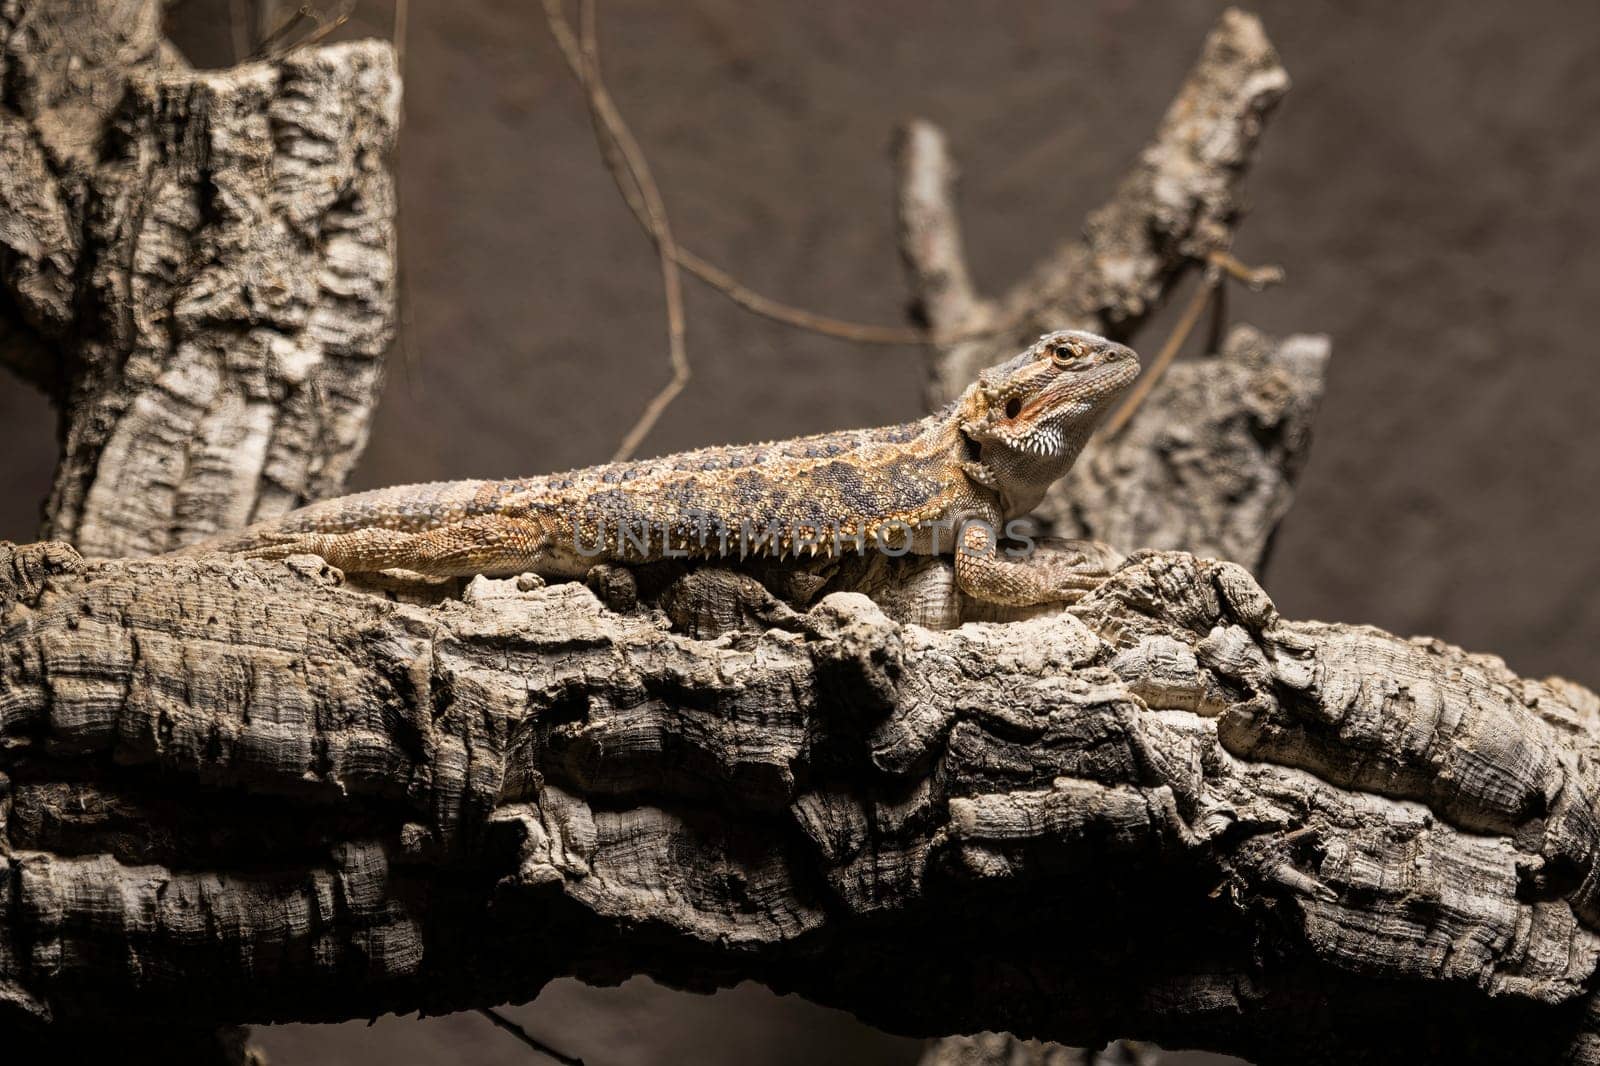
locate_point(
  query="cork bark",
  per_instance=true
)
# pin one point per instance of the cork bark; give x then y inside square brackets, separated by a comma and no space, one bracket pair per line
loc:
[197,266]
[1178,203]
[236,792]
[241,792]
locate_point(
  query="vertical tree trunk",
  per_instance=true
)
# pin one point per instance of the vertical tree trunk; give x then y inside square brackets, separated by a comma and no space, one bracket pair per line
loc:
[198,267]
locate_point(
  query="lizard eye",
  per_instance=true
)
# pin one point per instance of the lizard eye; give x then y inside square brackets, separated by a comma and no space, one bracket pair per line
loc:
[1013,407]
[1070,360]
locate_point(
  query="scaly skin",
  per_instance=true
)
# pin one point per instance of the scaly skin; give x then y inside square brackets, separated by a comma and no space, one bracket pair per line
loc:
[955,477]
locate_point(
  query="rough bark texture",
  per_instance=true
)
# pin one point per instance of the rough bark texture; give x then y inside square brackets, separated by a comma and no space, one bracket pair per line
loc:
[239,792]
[197,265]
[1174,208]
[1208,463]
[198,269]
[1003,1049]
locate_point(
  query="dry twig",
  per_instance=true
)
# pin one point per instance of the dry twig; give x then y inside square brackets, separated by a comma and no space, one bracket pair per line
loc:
[533,1042]
[402,19]
[1219,267]
[621,151]
[1203,295]
[969,319]
[634,180]
[274,45]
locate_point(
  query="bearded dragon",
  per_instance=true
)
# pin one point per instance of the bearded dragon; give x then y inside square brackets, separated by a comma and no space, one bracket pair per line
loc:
[950,483]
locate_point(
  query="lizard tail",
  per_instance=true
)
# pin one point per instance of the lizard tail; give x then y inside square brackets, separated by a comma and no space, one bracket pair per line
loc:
[406,508]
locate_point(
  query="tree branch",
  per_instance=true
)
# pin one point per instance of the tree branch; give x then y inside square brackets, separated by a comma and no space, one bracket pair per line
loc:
[239,792]
[1209,464]
[242,792]
[1175,207]
[197,268]
[203,265]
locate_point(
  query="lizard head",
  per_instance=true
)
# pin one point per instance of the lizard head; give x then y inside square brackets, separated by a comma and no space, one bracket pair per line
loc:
[1027,419]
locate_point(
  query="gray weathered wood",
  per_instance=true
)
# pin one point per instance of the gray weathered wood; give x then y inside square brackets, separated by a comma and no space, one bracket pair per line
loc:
[1176,205]
[198,266]
[198,269]
[241,792]
[1207,465]
[238,791]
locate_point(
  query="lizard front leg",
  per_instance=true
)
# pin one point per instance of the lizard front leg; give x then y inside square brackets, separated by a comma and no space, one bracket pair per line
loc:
[487,544]
[1054,571]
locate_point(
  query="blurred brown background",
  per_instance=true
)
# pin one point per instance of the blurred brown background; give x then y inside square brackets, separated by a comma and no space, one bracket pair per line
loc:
[1429,185]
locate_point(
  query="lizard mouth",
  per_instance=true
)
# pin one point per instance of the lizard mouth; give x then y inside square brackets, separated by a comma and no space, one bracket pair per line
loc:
[1095,387]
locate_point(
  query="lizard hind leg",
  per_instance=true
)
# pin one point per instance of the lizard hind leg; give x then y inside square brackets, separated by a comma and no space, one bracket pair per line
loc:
[485,544]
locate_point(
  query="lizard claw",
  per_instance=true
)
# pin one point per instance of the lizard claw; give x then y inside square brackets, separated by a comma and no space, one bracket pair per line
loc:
[1073,567]
[281,546]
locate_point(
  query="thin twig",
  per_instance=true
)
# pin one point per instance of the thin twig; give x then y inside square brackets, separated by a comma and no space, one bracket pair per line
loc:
[1217,326]
[528,1038]
[1212,292]
[777,311]
[269,46]
[618,144]
[402,12]
[325,27]
[1254,278]
[644,182]
[636,184]
[1169,351]
[282,30]
[239,31]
